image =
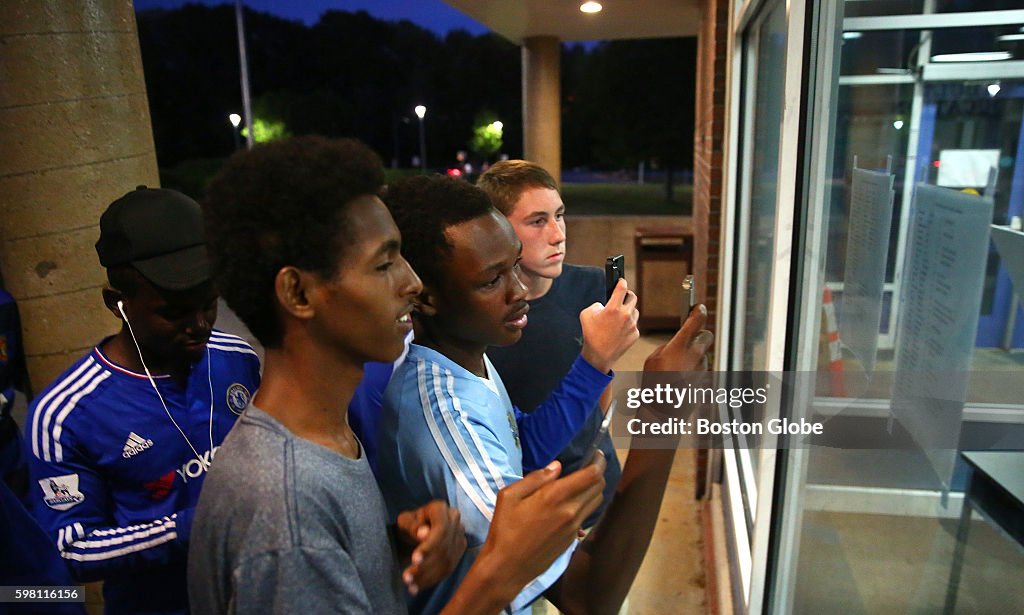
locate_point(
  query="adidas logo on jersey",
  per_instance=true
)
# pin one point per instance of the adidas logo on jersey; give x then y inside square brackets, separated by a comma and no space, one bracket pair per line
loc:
[135,445]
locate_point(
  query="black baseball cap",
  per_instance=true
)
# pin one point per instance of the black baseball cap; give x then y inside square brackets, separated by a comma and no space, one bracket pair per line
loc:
[159,232]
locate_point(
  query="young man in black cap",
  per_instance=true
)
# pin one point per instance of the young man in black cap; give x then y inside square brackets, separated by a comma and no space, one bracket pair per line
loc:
[120,442]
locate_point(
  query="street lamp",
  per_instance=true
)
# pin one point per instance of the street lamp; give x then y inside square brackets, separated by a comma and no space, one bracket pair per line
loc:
[235,120]
[421,111]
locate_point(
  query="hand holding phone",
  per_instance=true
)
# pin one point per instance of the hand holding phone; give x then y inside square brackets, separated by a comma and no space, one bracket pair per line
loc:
[689,299]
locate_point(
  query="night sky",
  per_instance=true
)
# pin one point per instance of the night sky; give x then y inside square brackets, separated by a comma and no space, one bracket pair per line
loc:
[431,14]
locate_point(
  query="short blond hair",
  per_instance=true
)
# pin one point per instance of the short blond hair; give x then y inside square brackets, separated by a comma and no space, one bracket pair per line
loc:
[506,181]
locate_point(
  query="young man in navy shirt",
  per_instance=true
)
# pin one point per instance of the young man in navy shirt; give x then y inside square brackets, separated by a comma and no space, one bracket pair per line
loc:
[557,292]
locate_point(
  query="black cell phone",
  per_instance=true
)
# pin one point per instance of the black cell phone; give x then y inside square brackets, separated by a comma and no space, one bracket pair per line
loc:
[614,268]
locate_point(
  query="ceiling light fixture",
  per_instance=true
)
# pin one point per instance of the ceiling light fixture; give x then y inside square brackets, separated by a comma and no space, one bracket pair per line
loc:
[849,36]
[1006,38]
[591,7]
[975,56]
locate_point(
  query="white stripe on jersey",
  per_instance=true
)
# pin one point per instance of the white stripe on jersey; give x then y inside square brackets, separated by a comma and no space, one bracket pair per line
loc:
[152,530]
[121,530]
[70,380]
[227,337]
[242,349]
[68,534]
[89,557]
[131,528]
[59,404]
[460,441]
[442,446]
[58,450]
[223,339]
[495,474]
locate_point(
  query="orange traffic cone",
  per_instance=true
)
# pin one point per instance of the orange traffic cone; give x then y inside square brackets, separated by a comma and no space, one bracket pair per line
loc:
[835,354]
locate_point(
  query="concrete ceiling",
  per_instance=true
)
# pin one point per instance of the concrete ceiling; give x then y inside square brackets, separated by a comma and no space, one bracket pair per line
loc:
[620,19]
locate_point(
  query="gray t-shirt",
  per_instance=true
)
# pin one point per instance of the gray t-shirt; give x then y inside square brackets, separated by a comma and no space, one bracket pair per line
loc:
[287,526]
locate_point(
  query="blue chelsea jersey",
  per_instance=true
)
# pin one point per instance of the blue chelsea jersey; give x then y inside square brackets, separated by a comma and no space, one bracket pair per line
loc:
[114,483]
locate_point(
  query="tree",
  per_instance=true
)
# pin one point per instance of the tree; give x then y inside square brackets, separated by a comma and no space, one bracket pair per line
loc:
[190,60]
[347,75]
[632,101]
[264,131]
[487,132]
[353,75]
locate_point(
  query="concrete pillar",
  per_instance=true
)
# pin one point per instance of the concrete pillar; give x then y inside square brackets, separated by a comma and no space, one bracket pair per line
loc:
[542,104]
[75,134]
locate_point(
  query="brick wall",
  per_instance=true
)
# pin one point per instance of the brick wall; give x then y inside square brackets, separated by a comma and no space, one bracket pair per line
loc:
[708,147]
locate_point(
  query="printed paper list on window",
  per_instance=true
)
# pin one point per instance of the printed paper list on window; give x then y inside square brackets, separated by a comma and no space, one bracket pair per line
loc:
[943,280]
[867,248]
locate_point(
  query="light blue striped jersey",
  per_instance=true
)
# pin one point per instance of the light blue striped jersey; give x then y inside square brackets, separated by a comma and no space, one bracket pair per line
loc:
[448,434]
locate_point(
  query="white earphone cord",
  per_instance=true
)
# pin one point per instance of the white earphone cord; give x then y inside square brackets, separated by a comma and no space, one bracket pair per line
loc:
[152,382]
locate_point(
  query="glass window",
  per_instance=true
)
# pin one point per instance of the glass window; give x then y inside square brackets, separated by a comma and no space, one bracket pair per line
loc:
[1006,39]
[878,52]
[877,518]
[766,76]
[870,8]
[960,6]
[764,72]
[872,123]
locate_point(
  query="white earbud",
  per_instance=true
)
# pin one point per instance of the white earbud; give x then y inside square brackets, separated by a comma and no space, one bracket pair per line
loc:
[209,376]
